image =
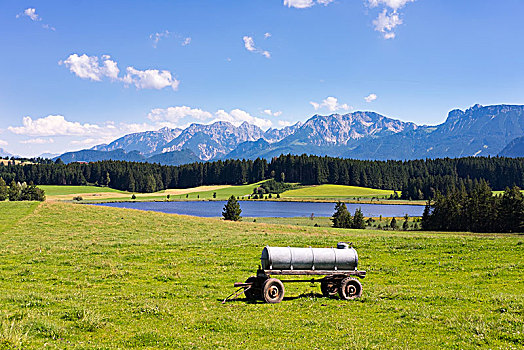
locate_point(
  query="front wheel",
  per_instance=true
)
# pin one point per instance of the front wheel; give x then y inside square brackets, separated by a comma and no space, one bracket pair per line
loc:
[273,291]
[350,288]
[329,287]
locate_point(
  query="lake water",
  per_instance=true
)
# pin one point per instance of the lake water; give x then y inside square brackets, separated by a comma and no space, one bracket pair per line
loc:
[268,209]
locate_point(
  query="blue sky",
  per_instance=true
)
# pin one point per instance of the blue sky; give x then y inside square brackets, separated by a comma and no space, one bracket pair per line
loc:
[78,73]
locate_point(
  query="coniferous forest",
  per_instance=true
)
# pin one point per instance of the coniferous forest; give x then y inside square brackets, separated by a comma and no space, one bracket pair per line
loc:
[417,179]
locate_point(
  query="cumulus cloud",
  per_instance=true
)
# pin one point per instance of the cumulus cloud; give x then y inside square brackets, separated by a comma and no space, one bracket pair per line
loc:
[53,125]
[31,14]
[180,116]
[38,141]
[249,44]
[271,113]
[331,103]
[392,4]
[370,98]
[284,123]
[90,67]
[175,114]
[186,41]
[93,68]
[267,35]
[386,23]
[58,125]
[389,18]
[150,79]
[302,4]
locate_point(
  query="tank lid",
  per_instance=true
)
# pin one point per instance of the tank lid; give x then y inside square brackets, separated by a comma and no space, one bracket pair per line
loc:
[342,245]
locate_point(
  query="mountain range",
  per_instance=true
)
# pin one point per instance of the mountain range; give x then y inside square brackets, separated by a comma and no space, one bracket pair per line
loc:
[477,131]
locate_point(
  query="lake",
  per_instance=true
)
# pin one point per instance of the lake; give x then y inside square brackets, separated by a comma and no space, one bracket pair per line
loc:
[268,209]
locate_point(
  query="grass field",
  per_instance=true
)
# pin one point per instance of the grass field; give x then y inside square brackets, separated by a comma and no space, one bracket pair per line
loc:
[100,194]
[84,277]
[336,191]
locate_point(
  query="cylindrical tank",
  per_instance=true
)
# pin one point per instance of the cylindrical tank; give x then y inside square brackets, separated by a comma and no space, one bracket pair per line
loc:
[286,258]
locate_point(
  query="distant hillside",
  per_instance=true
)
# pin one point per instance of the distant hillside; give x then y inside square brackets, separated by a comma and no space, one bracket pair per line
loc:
[514,149]
[477,131]
[168,158]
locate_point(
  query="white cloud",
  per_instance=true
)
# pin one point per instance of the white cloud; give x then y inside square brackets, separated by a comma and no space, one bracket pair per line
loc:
[38,141]
[3,143]
[175,114]
[284,123]
[249,44]
[386,23]
[271,113]
[370,98]
[180,116]
[393,4]
[156,37]
[302,4]
[150,79]
[53,125]
[57,125]
[267,35]
[31,13]
[91,67]
[331,103]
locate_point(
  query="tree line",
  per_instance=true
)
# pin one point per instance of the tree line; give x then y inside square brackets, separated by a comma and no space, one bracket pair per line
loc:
[20,192]
[417,179]
[476,210]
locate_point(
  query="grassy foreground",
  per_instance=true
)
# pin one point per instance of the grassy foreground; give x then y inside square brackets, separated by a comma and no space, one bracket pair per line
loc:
[76,276]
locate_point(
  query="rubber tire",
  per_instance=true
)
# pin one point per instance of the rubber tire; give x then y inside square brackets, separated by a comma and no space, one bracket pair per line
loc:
[350,288]
[329,288]
[253,293]
[273,291]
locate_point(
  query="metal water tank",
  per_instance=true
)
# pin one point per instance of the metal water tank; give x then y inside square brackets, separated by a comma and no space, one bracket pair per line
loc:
[287,258]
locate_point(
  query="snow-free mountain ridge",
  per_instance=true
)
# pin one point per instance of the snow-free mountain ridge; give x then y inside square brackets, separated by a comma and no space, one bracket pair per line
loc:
[477,131]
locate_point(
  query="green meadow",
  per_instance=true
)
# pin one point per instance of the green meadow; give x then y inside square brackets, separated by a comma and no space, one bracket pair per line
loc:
[86,277]
[336,191]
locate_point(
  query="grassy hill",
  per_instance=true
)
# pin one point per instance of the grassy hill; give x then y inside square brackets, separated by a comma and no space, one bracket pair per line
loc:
[336,191]
[92,277]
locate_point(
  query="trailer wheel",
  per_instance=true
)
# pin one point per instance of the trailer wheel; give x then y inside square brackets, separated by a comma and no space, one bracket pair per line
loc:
[329,287]
[350,288]
[252,293]
[272,291]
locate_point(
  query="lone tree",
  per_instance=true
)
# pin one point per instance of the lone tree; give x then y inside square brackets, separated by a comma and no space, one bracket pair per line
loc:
[393,224]
[341,218]
[3,190]
[358,219]
[232,210]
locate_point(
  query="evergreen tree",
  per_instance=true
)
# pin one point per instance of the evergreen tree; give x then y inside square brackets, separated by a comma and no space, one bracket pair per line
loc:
[510,211]
[32,193]
[3,190]
[14,191]
[405,225]
[358,219]
[341,218]
[232,210]
[393,224]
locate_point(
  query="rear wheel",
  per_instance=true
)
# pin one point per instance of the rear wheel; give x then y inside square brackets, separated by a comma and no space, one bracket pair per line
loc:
[350,288]
[273,291]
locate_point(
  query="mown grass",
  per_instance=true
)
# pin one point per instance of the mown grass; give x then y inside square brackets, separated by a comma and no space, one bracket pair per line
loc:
[76,276]
[52,190]
[336,191]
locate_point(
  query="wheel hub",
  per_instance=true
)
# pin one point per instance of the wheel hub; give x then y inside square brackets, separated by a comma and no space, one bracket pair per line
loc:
[273,292]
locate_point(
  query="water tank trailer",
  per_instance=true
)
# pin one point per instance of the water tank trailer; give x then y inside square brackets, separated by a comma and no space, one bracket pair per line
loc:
[337,265]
